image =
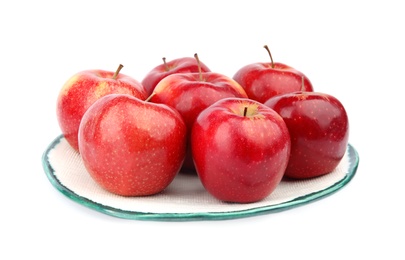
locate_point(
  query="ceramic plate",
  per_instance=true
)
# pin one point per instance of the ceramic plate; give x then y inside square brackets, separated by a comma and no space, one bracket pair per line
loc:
[185,198]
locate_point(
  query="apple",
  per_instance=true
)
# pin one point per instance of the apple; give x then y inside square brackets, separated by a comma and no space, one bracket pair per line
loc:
[83,89]
[319,130]
[132,147]
[180,65]
[240,149]
[263,80]
[191,93]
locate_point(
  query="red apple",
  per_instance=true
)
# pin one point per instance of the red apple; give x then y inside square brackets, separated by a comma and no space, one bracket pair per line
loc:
[83,89]
[132,147]
[263,80]
[180,65]
[191,93]
[240,149]
[319,130]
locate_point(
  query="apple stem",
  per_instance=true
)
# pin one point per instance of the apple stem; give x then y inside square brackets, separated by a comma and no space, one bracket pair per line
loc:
[302,83]
[164,62]
[150,97]
[199,66]
[117,71]
[271,58]
[245,111]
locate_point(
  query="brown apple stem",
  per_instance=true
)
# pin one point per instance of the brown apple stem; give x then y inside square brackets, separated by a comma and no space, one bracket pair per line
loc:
[302,83]
[150,97]
[164,62]
[117,71]
[199,66]
[245,111]
[271,58]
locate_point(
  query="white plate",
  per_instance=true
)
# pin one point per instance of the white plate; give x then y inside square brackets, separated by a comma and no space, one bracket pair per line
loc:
[185,198]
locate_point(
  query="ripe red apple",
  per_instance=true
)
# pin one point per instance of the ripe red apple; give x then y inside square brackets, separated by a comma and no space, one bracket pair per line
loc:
[240,149]
[263,80]
[83,89]
[180,65]
[132,147]
[191,93]
[319,130]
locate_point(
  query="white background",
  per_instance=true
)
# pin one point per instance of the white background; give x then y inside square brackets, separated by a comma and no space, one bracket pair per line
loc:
[353,50]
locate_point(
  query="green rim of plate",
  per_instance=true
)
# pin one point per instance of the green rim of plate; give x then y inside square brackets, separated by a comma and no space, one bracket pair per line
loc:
[299,201]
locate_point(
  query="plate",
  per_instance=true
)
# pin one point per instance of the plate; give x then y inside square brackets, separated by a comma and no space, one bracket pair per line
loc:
[185,198]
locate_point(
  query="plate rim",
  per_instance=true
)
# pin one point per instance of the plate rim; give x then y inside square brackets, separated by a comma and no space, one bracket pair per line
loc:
[353,157]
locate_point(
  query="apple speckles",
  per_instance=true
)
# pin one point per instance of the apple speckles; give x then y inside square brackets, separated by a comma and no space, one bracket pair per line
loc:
[67,86]
[239,159]
[131,147]
[82,90]
[318,126]
[101,89]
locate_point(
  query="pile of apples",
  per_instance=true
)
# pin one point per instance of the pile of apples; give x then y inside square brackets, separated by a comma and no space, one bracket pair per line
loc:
[239,135]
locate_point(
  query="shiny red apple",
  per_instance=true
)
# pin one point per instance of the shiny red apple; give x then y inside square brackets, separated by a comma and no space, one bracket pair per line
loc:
[240,149]
[191,93]
[83,89]
[319,130]
[263,80]
[132,147]
[180,65]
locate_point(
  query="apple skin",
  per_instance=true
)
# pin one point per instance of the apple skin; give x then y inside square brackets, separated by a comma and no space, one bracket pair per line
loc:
[132,147]
[191,93]
[180,65]
[262,81]
[240,158]
[82,90]
[319,130]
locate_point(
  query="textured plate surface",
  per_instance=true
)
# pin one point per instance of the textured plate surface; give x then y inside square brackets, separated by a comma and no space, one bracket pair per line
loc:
[185,199]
